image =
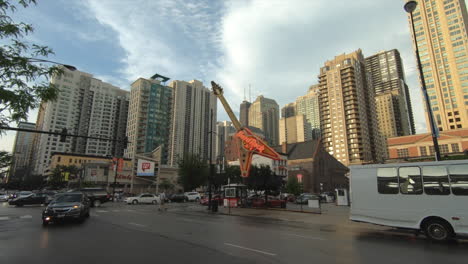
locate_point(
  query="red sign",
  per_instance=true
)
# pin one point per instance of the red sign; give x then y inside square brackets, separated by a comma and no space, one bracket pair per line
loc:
[120,165]
[145,166]
[249,144]
[299,178]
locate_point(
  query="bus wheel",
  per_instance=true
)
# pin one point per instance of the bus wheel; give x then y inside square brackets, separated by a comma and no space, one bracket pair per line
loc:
[438,230]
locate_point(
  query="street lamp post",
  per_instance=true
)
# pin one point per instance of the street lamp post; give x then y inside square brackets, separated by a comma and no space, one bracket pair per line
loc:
[410,6]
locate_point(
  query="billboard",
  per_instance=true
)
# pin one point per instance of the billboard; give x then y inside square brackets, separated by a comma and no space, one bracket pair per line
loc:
[145,168]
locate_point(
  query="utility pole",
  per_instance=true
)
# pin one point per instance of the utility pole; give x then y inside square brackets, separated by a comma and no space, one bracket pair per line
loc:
[210,176]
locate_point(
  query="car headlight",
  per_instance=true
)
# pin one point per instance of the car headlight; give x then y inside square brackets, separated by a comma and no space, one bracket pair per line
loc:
[76,207]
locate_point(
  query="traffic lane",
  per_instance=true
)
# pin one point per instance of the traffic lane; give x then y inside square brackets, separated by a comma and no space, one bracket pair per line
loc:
[25,240]
[286,242]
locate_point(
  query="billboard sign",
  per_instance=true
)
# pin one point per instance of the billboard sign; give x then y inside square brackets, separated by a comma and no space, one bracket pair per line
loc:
[145,168]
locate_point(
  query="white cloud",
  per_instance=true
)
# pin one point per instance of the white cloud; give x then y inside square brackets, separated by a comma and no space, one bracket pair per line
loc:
[279,46]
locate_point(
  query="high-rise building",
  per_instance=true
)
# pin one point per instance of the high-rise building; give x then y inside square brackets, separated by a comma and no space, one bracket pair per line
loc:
[149,117]
[194,117]
[393,104]
[224,130]
[288,110]
[441,35]
[264,114]
[244,113]
[308,105]
[22,152]
[348,119]
[292,129]
[85,106]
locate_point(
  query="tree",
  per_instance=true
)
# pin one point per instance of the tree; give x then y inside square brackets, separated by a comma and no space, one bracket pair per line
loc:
[166,185]
[293,186]
[23,80]
[57,179]
[193,172]
[263,178]
[5,160]
[231,174]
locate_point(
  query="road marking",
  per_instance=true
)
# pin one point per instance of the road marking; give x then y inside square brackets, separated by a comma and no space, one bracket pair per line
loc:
[26,216]
[2,218]
[251,249]
[307,237]
[101,211]
[135,224]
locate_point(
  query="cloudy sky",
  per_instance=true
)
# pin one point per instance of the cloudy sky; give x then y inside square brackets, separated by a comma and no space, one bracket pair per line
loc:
[275,46]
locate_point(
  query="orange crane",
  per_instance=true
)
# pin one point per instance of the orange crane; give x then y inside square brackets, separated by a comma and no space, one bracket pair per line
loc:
[247,142]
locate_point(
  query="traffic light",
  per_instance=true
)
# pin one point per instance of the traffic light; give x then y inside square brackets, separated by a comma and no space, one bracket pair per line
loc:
[63,135]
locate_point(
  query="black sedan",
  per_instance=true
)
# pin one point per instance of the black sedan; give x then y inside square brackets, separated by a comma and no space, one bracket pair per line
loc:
[73,206]
[33,198]
[178,198]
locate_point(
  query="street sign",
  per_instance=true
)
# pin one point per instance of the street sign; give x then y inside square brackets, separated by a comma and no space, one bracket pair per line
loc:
[145,168]
[299,178]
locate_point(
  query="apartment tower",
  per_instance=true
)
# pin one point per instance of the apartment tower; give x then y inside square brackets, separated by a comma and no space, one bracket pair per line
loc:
[347,117]
[193,118]
[149,117]
[441,36]
[292,129]
[22,152]
[85,106]
[394,112]
[264,114]
[308,105]
[244,113]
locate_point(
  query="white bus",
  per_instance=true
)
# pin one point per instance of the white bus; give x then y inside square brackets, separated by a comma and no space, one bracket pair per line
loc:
[427,196]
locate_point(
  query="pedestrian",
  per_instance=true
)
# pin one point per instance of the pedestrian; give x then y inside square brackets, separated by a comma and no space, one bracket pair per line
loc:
[162,201]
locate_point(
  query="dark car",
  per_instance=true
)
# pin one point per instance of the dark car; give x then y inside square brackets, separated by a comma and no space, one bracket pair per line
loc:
[305,197]
[178,198]
[97,196]
[215,198]
[33,198]
[72,205]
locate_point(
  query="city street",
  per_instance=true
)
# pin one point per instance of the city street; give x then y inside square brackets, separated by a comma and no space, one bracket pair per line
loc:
[120,233]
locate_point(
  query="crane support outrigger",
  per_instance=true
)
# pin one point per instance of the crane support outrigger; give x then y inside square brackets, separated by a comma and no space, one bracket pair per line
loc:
[247,142]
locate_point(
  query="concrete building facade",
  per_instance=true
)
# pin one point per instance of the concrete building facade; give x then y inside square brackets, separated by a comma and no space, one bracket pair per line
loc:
[441,35]
[85,106]
[393,103]
[264,114]
[308,105]
[288,110]
[224,130]
[22,152]
[149,117]
[244,113]
[292,129]
[194,116]
[347,116]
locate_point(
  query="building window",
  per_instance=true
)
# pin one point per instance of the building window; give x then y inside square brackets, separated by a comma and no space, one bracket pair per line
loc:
[423,151]
[431,150]
[403,153]
[59,159]
[444,148]
[455,148]
[410,180]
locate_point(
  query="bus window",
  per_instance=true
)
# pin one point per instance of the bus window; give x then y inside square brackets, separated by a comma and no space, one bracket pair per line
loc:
[410,180]
[459,179]
[387,180]
[435,180]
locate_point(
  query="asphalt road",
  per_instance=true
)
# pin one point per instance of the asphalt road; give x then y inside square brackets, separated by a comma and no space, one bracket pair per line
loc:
[141,234]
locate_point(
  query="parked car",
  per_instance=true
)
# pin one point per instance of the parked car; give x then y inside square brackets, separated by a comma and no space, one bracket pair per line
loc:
[276,202]
[33,198]
[305,197]
[147,198]
[20,194]
[72,205]
[178,198]
[97,196]
[215,198]
[192,196]
[4,197]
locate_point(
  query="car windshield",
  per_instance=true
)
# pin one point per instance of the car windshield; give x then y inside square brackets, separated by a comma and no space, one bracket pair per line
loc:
[68,198]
